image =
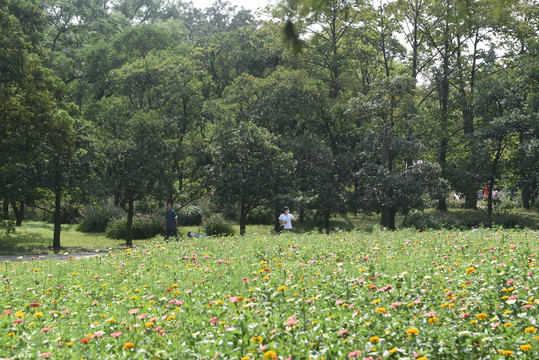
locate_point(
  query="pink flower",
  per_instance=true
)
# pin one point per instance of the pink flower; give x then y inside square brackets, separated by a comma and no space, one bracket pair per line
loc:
[214,320]
[386,288]
[45,355]
[353,354]
[34,305]
[189,291]
[526,307]
[464,316]
[338,302]
[431,313]
[510,282]
[417,301]
[142,316]
[342,332]
[245,280]
[18,321]
[133,311]
[233,299]
[273,331]
[219,261]
[395,304]
[495,325]
[8,312]
[116,334]
[46,329]
[291,321]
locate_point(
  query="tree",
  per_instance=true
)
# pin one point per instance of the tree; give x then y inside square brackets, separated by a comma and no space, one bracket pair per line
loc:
[29,96]
[247,168]
[133,153]
[392,174]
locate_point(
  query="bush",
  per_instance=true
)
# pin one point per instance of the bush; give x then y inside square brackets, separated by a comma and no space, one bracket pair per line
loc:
[190,215]
[96,219]
[7,225]
[463,220]
[260,216]
[217,225]
[144,227]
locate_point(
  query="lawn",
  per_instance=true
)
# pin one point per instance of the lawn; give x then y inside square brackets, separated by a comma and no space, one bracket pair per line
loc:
[394,295]
[35,238]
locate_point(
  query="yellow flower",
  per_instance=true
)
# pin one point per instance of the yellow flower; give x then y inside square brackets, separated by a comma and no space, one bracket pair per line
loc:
[528,330]
[257,339]
[525,347]
[423,358]
[129,345]
[222,322]
[380,310]
[433,320]
[470,270]
[473,322]
[481,316]
[374,339]
[281,288]
[246,358]
[19,314]
[374,302]
[38,314]
[270,354]
[69,343]
[507,353]
[412,331]
[11,334]
[394,350]
[149,324]
[111,320]
[507,324]
[171,317]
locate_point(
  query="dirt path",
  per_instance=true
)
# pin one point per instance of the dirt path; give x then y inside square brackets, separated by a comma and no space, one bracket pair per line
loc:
[14,258]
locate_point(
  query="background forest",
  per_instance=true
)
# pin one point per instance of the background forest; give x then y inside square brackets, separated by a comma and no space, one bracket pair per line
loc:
[326,106]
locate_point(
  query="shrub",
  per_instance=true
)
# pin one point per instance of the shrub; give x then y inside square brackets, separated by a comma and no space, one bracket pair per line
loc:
[190,215]
[465,220]
[260,216]
[96,219]
[7,225]
[217,225]
[144,227]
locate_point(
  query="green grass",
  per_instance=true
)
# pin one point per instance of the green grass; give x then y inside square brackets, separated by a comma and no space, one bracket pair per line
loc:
[36,237]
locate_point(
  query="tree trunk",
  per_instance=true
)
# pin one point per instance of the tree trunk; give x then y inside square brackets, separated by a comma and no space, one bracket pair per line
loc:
[6,208]
[470,201]
[18,217]
[525,197]
[57,220]
[388,218]
[129,232]
[243,217]
[326,221]
[489,206]
[21,209]
[276,223]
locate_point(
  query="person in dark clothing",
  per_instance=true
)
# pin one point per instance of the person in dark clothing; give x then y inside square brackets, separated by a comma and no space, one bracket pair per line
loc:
[170,227]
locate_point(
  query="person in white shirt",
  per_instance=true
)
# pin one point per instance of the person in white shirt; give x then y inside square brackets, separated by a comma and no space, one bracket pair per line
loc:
[286,219]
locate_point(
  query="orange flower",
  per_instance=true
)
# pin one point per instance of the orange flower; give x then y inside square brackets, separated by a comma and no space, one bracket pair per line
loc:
[412,331]
[129,345]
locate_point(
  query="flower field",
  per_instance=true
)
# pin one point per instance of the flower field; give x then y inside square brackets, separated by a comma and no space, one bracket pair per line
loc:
[385,295]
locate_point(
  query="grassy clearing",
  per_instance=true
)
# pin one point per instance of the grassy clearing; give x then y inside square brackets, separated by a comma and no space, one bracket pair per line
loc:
[36,237]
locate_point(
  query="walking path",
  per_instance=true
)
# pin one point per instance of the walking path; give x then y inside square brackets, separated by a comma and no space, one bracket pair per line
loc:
[49,257]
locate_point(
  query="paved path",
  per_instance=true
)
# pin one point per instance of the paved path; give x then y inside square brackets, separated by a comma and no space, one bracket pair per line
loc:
[48,257]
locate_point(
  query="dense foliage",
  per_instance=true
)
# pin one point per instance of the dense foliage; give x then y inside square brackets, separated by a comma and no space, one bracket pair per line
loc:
[375,107]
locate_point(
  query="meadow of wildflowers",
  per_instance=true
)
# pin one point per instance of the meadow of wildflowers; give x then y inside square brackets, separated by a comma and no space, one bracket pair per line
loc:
[394,295]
